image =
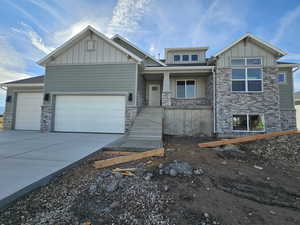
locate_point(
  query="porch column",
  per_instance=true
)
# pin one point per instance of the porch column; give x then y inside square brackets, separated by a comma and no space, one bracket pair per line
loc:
[166,94]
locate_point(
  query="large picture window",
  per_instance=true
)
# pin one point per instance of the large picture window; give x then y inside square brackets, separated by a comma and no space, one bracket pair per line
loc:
[246,79]
[248,122]
[185,89]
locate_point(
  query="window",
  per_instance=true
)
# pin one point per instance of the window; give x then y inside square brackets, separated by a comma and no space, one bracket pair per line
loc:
[91,45]
[281,78]
[185,89]
[185,58]
[247,79]
[248,122]
[194,57]
[176,58]
[246,61]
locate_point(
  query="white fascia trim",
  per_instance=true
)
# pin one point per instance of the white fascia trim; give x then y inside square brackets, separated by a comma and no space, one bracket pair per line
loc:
[176,68]
[23,85]
[78,36]
[137,48]
[254,38]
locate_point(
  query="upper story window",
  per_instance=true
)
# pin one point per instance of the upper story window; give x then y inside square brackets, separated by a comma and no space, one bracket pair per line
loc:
[246,62]
[194,57]
[281,78]
[185,89]
[91,45]
[185,58]
[176,58]
[246,79]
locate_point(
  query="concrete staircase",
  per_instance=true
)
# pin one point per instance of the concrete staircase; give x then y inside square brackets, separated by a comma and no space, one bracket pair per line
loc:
[147,125]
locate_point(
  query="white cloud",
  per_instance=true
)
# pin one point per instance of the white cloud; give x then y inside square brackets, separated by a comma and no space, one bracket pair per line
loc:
[34,38]
[27,15]
[43,5]
[126,16]
[285,23]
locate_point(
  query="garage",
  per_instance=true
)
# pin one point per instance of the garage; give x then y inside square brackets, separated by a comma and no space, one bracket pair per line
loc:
[90,113]
[28,111]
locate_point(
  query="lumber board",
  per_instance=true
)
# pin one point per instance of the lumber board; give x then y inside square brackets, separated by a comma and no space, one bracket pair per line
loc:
[118,153]
[246,139]
[128,158]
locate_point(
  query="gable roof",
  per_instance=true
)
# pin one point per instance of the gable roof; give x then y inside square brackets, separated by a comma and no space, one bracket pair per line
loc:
[31,80]
[256,39]
[137,48]
[77,37]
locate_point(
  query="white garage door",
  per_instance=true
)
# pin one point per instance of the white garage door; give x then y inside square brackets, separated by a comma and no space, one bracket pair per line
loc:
[28,111]
[77,113]
[298,116]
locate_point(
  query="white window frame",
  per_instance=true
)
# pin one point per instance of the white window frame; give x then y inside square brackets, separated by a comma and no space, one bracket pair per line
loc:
[195,89]
[248,122]
[246,80]
[93,42]
[189,57]
[285,81]
[180,57]
[197,57]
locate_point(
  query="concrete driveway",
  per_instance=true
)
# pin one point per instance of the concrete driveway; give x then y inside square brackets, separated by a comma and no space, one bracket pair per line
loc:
[29,159]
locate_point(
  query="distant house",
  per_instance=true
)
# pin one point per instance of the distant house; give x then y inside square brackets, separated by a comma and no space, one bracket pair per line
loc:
[93,83]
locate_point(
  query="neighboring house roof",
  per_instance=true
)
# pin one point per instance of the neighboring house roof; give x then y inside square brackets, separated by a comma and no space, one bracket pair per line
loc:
[77,37]
[256,39]
[137,48]
[31,80]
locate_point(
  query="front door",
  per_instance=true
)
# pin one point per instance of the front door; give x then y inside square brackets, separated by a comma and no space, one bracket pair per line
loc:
[154,95]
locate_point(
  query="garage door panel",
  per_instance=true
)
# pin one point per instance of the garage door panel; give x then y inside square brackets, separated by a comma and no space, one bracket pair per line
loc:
[105,114]
[28,111]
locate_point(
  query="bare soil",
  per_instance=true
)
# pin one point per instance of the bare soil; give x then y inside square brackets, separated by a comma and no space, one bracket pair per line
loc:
[237,187]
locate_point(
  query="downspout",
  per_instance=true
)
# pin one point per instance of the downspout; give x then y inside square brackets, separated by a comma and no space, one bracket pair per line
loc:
[214,97]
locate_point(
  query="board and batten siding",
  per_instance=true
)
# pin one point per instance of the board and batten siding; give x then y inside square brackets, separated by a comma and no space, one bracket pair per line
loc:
[92,78]
[78,53]
[245,49]
[286,90]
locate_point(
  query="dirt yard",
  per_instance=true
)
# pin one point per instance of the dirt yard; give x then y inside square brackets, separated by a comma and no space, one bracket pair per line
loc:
[255,183]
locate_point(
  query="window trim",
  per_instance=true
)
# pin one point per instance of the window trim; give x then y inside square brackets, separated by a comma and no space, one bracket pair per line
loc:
[245,61]
[192,58]
[246,80]
[177,60]
[185,80]
[93,45]
[248,122]
[188,58]
[285,80]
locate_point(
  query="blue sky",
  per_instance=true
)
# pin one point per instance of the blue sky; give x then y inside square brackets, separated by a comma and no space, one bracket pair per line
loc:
[29,29]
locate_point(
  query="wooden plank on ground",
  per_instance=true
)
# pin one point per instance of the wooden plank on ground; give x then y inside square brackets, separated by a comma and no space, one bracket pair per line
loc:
[118,153]
[128,158]
[246,139]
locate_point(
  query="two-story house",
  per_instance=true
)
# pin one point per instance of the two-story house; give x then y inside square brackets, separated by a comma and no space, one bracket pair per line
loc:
[93,83]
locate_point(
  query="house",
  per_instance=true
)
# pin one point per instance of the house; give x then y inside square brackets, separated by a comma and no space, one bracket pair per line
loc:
[93,83]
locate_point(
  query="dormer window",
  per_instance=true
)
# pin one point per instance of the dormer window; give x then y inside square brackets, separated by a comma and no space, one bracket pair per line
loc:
[185,58]
[91,45]
[176,58]
[194,57]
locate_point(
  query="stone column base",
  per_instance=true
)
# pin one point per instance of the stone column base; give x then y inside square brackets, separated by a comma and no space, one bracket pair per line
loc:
[46,118]
[8,121]
[166,98]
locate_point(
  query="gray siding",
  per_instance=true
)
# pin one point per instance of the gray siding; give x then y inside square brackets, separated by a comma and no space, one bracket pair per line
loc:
[245,49]
[78,54]
[286,90]
[147,61]
[92,78]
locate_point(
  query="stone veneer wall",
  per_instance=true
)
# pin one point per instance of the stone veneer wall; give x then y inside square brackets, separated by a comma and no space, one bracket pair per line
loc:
[8,121]
[47,117]
[131,113]
[192,102]
[229,103]
[209,89]
[166,99]
[288,119]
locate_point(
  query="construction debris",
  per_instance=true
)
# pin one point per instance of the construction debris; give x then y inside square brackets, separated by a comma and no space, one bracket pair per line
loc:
[246,139]
[124,159]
